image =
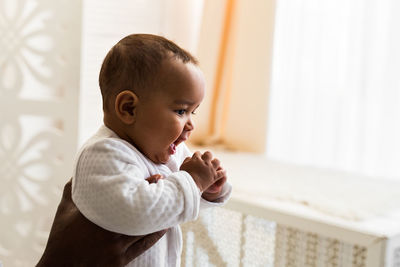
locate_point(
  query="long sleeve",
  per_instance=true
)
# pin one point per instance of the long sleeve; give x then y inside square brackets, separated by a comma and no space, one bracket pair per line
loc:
[221,200]
[110,189]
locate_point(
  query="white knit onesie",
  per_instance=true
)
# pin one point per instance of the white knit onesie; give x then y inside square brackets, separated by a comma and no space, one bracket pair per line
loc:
[110,189]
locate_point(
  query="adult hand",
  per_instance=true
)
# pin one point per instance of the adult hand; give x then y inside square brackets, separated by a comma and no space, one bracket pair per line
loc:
[75,241]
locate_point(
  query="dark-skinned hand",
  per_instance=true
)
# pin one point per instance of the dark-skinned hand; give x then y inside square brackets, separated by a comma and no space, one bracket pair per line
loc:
[76,241]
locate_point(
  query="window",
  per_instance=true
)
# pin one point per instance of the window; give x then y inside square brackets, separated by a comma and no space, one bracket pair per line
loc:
[335,93]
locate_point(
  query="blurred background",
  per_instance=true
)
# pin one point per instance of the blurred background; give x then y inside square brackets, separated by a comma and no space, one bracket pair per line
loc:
[310,83]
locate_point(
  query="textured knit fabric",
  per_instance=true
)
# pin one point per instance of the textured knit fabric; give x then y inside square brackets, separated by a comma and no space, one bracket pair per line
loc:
[110,189]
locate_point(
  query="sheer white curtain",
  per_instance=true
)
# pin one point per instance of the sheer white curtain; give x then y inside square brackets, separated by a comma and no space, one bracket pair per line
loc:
[335,94]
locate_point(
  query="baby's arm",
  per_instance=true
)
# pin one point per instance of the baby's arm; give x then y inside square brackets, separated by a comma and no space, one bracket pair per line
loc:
[110,190]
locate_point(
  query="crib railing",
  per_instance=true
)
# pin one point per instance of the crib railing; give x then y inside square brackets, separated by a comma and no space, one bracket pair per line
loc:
[249,234]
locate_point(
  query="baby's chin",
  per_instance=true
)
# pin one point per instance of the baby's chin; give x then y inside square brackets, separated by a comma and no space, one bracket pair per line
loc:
[161,159]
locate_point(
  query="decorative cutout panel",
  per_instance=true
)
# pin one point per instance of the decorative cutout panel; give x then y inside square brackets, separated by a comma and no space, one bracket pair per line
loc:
[39,83]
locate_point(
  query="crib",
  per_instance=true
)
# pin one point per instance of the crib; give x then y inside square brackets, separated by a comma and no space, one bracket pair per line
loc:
[266,229]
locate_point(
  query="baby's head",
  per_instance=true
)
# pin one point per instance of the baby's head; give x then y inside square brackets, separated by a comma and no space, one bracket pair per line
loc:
[150,89]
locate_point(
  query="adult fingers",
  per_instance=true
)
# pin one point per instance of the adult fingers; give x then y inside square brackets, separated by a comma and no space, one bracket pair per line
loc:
[66,199]
[139,246]
[126,241]
[67,190]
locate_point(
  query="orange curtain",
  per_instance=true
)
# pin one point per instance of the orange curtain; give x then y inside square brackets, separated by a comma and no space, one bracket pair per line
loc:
[221,86]
[235,55]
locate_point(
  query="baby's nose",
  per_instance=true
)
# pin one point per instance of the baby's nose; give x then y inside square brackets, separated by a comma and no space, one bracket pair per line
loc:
[189,126]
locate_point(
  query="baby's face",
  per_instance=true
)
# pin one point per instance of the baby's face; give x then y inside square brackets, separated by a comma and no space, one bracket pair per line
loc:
[163,119]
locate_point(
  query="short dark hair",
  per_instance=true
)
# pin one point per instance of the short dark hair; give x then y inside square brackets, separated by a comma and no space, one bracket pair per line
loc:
[134,61]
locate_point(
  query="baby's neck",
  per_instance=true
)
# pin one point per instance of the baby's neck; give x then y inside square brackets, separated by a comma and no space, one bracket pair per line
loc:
[115,126]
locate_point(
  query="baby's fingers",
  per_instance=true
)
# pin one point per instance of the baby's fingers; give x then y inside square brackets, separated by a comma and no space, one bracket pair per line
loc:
[154,178]
[186,159]
[207,156]
[221,173]
[216,164]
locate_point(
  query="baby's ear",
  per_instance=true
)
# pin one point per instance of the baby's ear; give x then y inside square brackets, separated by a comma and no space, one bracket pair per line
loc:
[125,104]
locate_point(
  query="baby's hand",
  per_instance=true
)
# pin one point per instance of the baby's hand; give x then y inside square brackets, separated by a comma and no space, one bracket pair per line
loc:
[214,191]
[154,178]
[203,168]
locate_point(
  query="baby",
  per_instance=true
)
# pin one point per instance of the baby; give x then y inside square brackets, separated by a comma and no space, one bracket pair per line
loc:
[136,176]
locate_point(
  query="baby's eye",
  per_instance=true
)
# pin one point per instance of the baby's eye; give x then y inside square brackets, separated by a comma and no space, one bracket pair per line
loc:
[181,111]
[194,112]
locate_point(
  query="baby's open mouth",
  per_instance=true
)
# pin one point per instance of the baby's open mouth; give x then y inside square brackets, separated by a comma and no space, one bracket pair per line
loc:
[172,147]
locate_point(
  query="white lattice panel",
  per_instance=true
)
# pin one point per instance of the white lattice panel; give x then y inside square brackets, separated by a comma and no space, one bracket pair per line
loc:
[299,248]
[39,80]
[223,237]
